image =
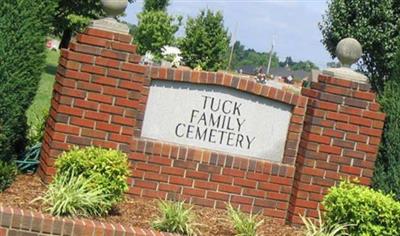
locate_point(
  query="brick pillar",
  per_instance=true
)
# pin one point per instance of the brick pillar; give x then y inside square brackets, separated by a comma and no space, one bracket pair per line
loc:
[95,96]
[341,135]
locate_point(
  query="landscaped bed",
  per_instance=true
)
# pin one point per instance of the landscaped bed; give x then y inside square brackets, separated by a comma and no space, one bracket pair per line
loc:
[134,211]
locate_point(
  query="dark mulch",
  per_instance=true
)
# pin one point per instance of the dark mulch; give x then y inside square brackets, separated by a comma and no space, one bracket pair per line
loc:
[136,211]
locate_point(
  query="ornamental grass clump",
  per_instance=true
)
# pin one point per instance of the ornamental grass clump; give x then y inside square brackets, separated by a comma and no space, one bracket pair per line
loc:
[175,218]
[75,196]
[367,212]
[320,228]
[244,225]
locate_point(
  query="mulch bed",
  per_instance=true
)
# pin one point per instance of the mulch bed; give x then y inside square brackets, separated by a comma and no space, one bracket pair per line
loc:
[136,211]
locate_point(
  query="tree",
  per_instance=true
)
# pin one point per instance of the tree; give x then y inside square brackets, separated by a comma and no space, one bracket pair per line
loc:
[206,41]
[155,5]
[24,25]
[155,30]
[375,24]
[304,65]
[387,172]
[72,15]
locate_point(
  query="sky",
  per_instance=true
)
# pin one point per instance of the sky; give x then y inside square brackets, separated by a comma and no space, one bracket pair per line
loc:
[292,23]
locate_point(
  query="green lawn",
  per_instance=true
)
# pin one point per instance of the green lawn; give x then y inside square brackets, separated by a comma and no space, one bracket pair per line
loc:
[41,103]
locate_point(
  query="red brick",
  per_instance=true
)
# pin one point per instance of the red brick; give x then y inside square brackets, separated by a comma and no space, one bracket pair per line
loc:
[99,33]
[319,138]
[364,95]
[77,75]
[194,192]
[205,185]
[74,56]
[245,182]
[172,171]
[82,122]
[229,189]
[367,148]
[124,47]
[372,132]
[111,109]
[351,170]
[374,115]
[333,133]
[337,116]
[108,127]
[134,68]
[91,115]
[347,127]
[93,69]
[86,104]
[93,133]
[330,149]
[100,98]
[356,137]
[221,179]
[217,196]
[360,121]
[63,128]
[95,41]
[104,81]
[233,172]
[180,181]
[241,200]
[101,61]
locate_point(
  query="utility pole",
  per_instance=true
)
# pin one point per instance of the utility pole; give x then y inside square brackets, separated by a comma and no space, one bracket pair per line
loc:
[270,55]
[233,47]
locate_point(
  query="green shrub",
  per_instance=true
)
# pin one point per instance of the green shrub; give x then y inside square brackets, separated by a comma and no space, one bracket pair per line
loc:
[75,196]
[175,218]
[8,172]
[24,25]
[320,228]
[107,168]
[37,126]
[244,225]
[367,211]
[387,171]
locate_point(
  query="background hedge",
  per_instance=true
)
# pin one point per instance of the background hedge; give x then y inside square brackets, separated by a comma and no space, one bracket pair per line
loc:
[24,25]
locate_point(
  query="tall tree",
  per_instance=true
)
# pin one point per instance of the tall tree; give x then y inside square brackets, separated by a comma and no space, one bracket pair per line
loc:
[24,25]
[155,30]
[387,172]
[372,22]
[155,5]
[206,41]
[72,15]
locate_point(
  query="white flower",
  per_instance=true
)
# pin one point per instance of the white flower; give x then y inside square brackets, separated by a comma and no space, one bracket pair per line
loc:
[169,50]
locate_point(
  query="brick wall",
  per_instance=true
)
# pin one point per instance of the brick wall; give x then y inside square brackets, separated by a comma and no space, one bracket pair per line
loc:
[17,222]
[100,99]
[341,137]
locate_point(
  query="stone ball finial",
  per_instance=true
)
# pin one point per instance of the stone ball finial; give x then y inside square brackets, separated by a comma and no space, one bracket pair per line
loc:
[114,7]
[348,51]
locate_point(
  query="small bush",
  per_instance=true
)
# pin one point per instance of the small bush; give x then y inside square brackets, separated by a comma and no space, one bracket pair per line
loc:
[75,196]
[175,218]
[8,172]
[37,126]
[107,168]
[319,228]
[244,225]
[368,212]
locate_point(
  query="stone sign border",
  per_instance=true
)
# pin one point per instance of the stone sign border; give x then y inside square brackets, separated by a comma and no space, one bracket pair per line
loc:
[226,80]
